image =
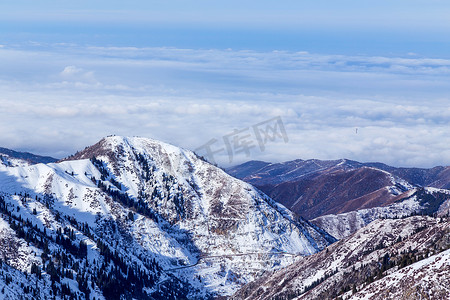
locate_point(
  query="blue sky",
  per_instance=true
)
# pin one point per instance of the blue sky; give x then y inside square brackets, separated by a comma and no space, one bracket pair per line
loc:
[189,71]
[357,27]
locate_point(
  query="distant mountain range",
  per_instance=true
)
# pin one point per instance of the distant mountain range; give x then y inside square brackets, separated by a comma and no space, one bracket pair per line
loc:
[25,156]
[313,188]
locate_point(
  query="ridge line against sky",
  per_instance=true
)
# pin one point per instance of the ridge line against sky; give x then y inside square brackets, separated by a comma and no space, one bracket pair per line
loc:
[73,72]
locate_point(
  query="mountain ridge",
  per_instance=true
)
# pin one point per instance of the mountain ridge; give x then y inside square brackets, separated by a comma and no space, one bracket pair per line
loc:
[194,230]
[131,217]
[313,188]
[25,156]
[357,266]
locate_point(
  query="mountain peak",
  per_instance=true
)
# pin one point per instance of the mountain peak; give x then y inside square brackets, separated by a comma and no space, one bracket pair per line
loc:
[114,145]
[172,206]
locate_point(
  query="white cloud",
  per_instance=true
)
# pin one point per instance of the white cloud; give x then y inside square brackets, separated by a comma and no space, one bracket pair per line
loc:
[69,99]
[77,75]
[71,71]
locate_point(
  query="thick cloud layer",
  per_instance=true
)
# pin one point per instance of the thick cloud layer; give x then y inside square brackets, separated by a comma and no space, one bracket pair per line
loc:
[56,99]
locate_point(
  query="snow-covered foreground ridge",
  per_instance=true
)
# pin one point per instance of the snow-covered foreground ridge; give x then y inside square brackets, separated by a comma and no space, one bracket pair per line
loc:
[128,208]
[388,259]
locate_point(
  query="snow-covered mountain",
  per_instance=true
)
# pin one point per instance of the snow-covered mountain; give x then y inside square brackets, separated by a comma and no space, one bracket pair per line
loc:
[388,259]
[140,218]
[314,188]
[428,278]
[416,201]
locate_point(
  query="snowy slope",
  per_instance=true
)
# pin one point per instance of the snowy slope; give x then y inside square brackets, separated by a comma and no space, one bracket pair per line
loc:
[9,161]
[16,285]
[163,210]
[414,201]
[374,255]
[223,215]
[28,158]
[426,279]
[17,280]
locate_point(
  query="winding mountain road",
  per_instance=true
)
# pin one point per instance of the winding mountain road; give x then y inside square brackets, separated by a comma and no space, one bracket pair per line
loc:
[230,255]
